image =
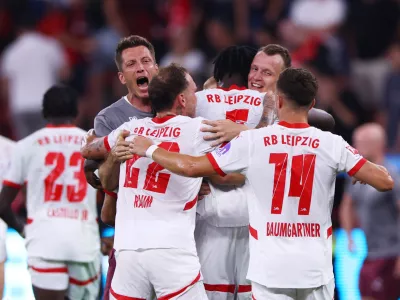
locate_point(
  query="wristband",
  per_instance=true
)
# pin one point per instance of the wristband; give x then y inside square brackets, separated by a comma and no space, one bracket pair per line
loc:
[150,150]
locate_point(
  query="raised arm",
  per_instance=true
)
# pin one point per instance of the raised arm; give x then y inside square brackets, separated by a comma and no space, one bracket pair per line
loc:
[376,176]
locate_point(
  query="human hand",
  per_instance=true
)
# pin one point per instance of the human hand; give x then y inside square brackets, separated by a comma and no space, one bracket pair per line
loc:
[204,189]
[88,138]
[222,131]
[107,244]
[139,145]
[121,151]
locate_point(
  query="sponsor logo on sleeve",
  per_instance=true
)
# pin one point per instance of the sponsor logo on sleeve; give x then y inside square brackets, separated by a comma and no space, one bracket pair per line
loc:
[352,150]
[221,151]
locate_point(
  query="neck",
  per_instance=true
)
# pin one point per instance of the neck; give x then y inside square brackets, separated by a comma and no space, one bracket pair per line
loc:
[60,121]
[162,114]
[233,80]
[142,104]
[291,116]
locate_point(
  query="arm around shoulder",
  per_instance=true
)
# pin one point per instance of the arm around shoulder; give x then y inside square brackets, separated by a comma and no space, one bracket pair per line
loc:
[375,175]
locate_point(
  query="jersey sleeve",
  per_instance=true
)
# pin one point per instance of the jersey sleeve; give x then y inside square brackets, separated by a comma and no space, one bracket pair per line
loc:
[16,175]
[202,146]
[234,157]
[200,106]
[350,160]
[111,139]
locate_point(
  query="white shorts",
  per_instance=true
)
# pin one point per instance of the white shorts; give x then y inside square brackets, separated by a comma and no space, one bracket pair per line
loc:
[224,259]
[81,279]
[325,292]
[3,235]
[172,273]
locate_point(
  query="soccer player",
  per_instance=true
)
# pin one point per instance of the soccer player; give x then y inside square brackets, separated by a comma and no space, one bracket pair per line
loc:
[136,63]
[6,150]
[266,66]
[378,215]
[62,236]
[292,168]
[156,210]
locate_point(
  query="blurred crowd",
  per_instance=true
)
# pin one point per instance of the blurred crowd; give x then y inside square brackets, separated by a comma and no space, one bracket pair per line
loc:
[353,47]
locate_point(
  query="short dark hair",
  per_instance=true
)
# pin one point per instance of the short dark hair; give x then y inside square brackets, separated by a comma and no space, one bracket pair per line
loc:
[132,41]
[166,86]
[60,101]
[298,85]
[234,60]
[274,49]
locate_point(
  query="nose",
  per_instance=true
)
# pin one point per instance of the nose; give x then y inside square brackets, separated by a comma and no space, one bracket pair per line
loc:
[257,76]
[139,68]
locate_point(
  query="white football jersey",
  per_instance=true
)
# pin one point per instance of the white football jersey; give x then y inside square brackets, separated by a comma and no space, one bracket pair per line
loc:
[155,208]
[6,149]
[292,169]
[61,205]
[226,206]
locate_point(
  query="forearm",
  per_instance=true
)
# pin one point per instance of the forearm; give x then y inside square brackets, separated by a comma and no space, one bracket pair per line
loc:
[234,179]
[109,173]
[184,165]
[11,219]
[94,150]
[109,210]
[269,112]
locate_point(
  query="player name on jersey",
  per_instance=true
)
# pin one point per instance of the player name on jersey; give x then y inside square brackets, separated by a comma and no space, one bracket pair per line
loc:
[234,99]
[68,213]
[60,139]
[291,140]
[283,229]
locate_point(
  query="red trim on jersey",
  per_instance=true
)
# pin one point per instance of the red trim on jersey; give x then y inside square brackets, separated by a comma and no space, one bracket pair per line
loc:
[172,295]
[252,297]
[49,270]
[244,288]
[82,282]
[293,125]
[329,232]
[191,204]
[60,126]
[160,120]
[107,144]
[112,194]
[253,232]
[121,297]
[357,167]
[215,164]
[233,87]
[223,288]
[29,221]
[12,184]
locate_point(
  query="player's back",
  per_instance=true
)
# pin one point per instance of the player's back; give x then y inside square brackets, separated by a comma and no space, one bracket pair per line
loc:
[156,208]
[62,215]
[242,106]
[292,169]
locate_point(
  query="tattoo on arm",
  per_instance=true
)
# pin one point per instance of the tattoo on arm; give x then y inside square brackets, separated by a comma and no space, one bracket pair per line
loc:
[269,113]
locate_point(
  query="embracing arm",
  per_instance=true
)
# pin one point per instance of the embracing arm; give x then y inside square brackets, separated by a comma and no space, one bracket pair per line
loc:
[236,179]
[96,149]
[376,176]
[109,173]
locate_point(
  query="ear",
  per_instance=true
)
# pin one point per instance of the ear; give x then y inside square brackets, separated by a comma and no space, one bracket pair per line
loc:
[121,78]
[156,67]
[181,100]
[312,104]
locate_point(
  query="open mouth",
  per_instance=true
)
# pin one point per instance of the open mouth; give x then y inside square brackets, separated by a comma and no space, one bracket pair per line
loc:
[142,82]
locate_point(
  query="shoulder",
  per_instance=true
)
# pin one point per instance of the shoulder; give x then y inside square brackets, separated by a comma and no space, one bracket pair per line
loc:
[112,108]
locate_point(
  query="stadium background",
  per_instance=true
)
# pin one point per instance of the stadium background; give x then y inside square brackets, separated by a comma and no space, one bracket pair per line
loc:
[352,46]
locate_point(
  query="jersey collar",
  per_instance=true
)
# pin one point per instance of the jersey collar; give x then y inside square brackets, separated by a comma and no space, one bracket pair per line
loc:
[164,119]
[233,87]
[293,125]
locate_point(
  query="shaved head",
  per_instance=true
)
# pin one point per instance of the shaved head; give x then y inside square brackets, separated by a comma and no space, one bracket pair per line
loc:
[370,140]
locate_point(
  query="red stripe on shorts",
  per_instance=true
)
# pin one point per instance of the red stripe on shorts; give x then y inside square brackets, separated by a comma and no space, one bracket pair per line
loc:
[224,288]
[172,295]
[121,297]
[82,282]
[49,270]
[244,288]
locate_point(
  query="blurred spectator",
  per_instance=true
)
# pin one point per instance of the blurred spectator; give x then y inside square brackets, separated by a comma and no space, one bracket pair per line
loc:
[392,97]
[371,28]
[29,66]
[183,53]
[378,215]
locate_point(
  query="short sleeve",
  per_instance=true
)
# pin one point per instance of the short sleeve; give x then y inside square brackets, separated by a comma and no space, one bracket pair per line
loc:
[15,175]
[350,159]
[111,139]
[102,126]
[234,157]
[202,146]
